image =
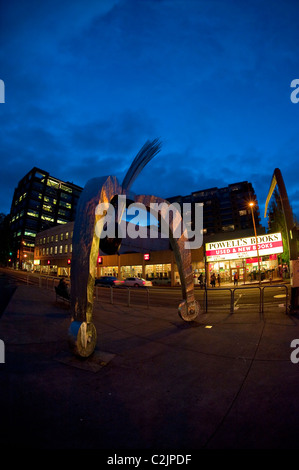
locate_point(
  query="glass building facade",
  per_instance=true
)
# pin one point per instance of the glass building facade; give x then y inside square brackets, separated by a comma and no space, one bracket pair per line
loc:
[40,201]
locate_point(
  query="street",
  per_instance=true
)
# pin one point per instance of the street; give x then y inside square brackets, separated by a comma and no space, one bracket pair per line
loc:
[218,299]
[224,381]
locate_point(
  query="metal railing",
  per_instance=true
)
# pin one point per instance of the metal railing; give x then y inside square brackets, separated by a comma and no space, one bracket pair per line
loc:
[234,289]
[128,293]
[49,282]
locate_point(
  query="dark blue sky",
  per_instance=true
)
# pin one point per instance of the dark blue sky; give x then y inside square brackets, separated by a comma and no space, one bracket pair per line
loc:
[88,82]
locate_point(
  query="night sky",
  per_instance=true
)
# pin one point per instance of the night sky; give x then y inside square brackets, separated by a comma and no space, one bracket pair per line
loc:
[87,83]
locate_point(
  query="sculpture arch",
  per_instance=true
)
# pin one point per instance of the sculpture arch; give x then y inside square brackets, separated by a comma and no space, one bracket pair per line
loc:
[82,332]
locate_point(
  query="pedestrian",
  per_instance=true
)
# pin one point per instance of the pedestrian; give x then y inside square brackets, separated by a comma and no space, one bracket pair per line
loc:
[235,279]
[200,279]
[63,289]
[213,280]
[218,279]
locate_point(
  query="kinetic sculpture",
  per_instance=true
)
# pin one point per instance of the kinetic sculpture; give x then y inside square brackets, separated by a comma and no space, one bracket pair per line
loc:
[87,240]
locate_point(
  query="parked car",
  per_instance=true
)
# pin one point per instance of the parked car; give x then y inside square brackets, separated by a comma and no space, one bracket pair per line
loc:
[107,281]
[137,282]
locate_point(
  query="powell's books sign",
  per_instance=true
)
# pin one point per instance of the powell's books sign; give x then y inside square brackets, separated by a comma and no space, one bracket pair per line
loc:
[244,247]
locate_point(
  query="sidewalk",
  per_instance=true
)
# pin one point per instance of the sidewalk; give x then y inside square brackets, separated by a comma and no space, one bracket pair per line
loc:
[154,382]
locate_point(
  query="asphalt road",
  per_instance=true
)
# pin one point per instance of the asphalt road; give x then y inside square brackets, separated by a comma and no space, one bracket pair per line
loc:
[218,299]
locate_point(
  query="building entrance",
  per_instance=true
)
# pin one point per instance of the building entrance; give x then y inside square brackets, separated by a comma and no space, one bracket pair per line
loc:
[239,272]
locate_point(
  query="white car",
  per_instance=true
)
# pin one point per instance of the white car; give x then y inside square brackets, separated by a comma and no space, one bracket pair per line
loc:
[137,282]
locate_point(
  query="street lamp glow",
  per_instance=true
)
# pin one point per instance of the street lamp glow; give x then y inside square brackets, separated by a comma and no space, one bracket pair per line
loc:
[251,204]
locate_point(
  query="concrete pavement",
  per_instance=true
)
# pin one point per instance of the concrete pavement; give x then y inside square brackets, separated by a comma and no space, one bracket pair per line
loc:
[154,382]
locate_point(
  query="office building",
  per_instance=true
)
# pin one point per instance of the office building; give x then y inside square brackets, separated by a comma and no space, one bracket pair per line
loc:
[224,209]
[40,201]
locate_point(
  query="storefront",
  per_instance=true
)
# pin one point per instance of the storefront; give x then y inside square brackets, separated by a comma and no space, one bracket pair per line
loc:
[243,258]
[157,266]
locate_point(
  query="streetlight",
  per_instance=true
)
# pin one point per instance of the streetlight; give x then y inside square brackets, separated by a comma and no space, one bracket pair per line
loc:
[251,204]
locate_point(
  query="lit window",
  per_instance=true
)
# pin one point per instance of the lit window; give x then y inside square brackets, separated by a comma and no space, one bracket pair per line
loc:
[65,248]
[32,213]
[47,207]
[46,217]
[52,183]
[29,234]
[60,249]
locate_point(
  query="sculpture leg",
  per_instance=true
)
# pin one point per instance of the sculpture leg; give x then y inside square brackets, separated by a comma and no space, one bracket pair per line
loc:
[82,332]
[170,220]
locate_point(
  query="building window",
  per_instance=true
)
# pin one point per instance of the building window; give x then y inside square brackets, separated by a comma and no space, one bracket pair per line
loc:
[67,235]
[60,249]
[65,248]
[61,236]
[228,228]
[56,237]
[51,250]
[55,250]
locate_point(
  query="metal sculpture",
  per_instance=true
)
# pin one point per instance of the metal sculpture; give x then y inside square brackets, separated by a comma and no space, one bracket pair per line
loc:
[86,242]
[290,229]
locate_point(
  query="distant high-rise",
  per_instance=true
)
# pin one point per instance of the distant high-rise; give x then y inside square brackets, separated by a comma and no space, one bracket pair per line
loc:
[224,209]
[40,201]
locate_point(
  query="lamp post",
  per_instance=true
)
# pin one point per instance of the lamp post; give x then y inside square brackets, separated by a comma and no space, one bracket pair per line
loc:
[251,204]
